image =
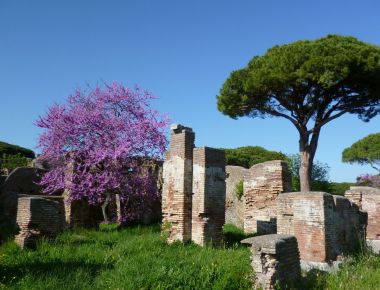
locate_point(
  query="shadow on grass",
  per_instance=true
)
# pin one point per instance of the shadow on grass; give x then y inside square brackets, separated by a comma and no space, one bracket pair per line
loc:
[14,273]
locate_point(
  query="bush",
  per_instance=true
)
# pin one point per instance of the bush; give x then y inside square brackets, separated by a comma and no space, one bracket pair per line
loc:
[250,155]
[239,189]
[10,162]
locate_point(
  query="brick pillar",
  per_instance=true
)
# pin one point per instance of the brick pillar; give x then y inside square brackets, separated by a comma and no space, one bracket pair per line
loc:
[177,186]
[275,260]
[39,216]
[209,195]
[262,184]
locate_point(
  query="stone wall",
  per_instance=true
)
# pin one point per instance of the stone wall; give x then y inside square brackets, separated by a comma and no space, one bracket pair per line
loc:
[21,181]
[177,187]
[262,184]
[368,200]
[209,192]
[275,260]
[234,206]
[325,226]
[39,216]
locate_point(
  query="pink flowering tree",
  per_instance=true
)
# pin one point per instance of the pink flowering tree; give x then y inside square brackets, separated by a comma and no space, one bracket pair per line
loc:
[103,139]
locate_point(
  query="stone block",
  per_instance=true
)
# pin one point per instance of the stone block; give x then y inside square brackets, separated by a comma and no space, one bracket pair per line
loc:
[275,260]
[37,217]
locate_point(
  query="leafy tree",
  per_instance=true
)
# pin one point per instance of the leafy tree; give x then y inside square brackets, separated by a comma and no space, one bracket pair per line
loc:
[10,149]
[103,139]
[251,155]
[364,151]
[309,83]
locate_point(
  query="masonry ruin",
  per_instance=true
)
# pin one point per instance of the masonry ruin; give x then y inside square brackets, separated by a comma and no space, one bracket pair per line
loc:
[262,184]
[275,260]
[326,226]
[37,217]
[193,195]
[234,205]
[368,200]
[208,200]
[177,187]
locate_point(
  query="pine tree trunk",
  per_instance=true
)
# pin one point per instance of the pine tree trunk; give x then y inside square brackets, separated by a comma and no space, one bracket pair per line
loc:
[305,171]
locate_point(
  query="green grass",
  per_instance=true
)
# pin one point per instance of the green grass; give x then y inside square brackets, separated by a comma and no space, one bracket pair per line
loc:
[133,258]
[138,258]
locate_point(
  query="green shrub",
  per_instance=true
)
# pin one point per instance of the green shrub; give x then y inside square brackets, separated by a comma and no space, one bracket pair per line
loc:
[239,189]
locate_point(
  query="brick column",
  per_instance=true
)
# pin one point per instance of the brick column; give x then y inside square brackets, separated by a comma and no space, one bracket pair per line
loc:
[209,195]
[177,186]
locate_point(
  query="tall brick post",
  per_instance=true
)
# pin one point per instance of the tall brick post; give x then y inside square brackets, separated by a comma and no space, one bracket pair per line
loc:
[177,186]
[209,196]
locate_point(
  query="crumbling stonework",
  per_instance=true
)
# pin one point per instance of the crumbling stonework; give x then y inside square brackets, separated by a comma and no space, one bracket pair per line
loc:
[234,206]
[208,203]
[325,226]
[177,187]
[275,260]
[21,181]
[368,200]
[39,216]
[262,184]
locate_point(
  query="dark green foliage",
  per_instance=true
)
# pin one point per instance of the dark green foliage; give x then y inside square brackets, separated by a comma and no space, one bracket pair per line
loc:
[239,189]
[10,149]
[309,83]
[307,79]
[251,155]
[10,161]
[364,151]
[319,174]
[232,235]
[339,188]
[130,258]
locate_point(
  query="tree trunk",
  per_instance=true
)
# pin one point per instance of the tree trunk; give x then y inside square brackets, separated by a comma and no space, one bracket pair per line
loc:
[118,208]
[104,208]
[305,171]
[305,163]
[307,153]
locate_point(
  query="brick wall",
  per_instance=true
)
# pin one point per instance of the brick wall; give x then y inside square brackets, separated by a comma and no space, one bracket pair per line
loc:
[325,226]
[262,184]
[39,216]
[209,191]
[234,206]
[368,200]
[177,186]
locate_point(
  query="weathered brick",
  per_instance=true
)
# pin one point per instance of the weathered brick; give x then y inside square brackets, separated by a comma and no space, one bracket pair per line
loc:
[262,184]
[208,203]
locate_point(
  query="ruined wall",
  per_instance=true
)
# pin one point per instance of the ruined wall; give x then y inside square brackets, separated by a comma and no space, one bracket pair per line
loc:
[368,200]
[325,226]
[39,216]
[177,186]
[234,206]
[21,181]
[80,214]
[275,260]
[262,184]
[209,193]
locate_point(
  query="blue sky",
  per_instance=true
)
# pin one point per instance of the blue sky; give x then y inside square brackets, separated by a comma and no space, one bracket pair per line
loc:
[182,51]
